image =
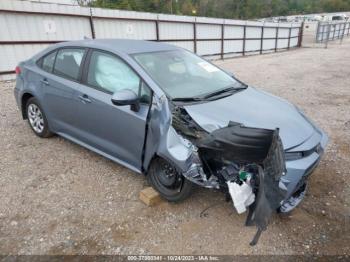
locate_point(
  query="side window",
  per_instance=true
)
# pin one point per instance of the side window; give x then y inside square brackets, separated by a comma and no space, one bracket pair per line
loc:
[110,74]
[47,62]
[68,62]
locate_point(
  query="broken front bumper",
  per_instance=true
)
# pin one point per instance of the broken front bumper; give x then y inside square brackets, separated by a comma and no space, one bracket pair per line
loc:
[298,172]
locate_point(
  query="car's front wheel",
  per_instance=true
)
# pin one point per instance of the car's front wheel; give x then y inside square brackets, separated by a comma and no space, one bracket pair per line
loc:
[37,119]
[170,184]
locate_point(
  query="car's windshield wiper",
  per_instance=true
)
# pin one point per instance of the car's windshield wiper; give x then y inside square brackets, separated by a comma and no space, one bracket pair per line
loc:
[187,99]
[225,90]
[203,98]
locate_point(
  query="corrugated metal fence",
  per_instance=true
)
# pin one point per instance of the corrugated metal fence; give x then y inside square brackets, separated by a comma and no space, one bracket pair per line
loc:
[328,31]
[27,27]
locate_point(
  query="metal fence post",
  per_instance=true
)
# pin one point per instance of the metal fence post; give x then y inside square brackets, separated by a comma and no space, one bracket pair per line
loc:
[343,33]
[328,34]
[262,39]
[318,30]
[92,27]
[195,37]
[323,31]
[157,29]
[222,40]
[276,39]
[290,34]
[244,36]
[301,33]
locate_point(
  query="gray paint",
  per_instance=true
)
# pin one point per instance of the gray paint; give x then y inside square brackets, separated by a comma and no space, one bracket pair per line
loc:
[162,139]
[119,133]
[254,108]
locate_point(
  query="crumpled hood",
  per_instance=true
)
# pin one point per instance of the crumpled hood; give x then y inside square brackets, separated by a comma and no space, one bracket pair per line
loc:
[254,108]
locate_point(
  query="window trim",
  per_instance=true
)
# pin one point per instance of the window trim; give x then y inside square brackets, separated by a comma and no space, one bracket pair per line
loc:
[78,80]
[86,67]
[40,61]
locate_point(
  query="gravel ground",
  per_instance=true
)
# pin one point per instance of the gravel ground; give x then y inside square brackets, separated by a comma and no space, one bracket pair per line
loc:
[59,198]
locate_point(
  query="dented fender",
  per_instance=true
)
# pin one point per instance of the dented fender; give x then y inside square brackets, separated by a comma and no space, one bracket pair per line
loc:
[162,139]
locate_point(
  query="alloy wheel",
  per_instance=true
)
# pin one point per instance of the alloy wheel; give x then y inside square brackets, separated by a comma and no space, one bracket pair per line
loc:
[36,118]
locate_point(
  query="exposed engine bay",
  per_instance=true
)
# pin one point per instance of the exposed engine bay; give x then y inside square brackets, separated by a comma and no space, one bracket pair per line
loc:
[246,163]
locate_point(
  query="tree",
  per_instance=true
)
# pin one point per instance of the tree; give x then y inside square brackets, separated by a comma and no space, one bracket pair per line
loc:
[236,9]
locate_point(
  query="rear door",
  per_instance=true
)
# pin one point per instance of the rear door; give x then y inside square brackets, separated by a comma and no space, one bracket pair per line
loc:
[115,130]
[59,87]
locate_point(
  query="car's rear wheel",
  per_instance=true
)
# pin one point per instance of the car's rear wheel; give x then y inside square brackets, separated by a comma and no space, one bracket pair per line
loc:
[37,119]
[170,184]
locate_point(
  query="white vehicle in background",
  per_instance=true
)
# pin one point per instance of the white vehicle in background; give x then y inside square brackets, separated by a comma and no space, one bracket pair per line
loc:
[339,17]
[331,17]
[319,18]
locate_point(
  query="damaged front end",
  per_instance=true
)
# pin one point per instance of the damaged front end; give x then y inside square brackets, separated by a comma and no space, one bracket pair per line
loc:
[246,162]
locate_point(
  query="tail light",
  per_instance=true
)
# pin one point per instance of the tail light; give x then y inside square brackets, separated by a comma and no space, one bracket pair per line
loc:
[17,70]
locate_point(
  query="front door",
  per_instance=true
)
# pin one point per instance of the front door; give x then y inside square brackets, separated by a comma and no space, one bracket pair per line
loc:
[115,130]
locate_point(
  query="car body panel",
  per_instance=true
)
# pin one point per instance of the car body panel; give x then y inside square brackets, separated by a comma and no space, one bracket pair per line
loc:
[134,138]
[253,108]
[300,169]
[162,140]
[102,125]
[102,153]
[59,99]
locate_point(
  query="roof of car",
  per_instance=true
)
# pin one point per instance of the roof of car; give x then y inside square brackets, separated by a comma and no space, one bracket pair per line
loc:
[127,46]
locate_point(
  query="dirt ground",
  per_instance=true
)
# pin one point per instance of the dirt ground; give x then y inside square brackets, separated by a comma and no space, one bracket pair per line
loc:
[59,198]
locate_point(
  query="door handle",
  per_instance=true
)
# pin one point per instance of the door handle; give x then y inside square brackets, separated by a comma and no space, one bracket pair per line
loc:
[85,99]
[44,81]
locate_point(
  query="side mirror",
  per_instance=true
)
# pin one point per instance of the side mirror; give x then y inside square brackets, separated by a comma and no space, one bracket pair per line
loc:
[126,97]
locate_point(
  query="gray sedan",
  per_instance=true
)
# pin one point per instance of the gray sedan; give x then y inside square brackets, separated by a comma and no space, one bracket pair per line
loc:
[162,111]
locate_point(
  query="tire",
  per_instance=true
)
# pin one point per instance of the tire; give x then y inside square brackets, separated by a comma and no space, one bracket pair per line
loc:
[170,184]
[37,119]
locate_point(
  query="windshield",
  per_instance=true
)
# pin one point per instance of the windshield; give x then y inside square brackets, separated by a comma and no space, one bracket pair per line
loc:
[182,74]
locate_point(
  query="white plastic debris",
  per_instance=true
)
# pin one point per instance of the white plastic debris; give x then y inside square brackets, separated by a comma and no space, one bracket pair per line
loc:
[242,195]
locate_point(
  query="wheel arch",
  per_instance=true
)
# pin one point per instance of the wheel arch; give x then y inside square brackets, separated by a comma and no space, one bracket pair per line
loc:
[157,156]
[24,99]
